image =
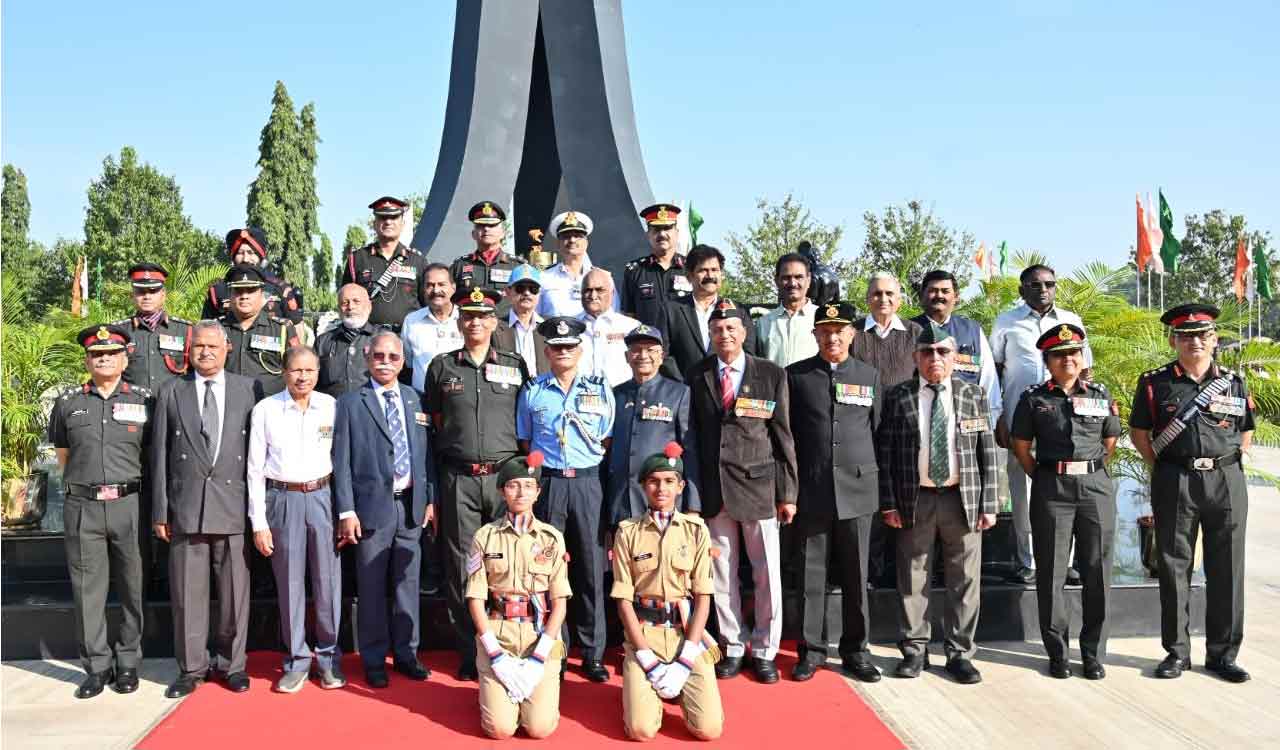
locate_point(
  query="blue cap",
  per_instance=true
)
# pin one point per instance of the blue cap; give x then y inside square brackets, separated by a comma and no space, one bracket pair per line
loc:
[525,272]
[643,332]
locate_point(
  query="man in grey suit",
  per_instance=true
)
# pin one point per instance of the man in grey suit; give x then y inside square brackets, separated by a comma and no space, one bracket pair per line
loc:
[383,489]
[198,505]
[937,458]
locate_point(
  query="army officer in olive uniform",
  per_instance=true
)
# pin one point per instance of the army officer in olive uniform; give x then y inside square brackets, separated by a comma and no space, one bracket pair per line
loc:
[662,581]
[1192,421]
[100,430]
[160,344]
[1074,425]
[517,586]
[487,267]
[392,274]
[835,410]
[258,340]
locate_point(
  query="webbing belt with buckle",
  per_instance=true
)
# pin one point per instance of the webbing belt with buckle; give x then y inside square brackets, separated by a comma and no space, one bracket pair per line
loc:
[102,491]
[518,607]
[1073,467]
[659,613]
[1204,463]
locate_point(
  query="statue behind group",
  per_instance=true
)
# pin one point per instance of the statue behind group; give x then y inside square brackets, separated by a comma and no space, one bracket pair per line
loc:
[824,287]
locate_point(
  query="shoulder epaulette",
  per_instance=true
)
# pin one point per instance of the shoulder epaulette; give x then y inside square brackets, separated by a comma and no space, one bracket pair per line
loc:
[630,522]
[70,390]
[1156,371]
[695,520]
[183,321]
[123,322]
[594,379]
[142,391]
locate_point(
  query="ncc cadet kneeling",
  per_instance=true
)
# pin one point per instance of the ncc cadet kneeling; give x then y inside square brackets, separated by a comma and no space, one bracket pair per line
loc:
[662,581]
[517,584]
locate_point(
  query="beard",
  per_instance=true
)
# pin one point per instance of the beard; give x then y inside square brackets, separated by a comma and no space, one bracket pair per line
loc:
[355,322]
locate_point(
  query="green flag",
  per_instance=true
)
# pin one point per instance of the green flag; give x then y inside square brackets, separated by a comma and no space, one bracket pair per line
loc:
[1170,248]
[1261,272]
[695,223]
[1004,255]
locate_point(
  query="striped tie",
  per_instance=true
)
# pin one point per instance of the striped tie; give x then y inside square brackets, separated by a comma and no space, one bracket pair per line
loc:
[939,439]
[397,436]
[726,388]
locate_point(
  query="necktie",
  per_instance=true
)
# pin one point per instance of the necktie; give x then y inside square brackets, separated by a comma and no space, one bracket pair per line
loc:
[726,388]
[209,427]
[397,436]
[939,439]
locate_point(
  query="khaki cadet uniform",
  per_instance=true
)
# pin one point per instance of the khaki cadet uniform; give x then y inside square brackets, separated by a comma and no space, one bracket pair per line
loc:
[518,575]
[660,572]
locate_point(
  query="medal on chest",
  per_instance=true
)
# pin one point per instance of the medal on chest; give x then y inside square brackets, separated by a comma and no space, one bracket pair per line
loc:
[171,343]
[502,374]
[264,343]
[1090,407]
[860,395]
[592,403]
[499,275]
[1228,405]
[656,413]
[754,407]
[129,413]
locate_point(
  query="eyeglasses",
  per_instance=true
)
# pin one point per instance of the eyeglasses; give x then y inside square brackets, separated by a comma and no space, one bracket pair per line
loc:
[1040,284]
[1194,336]
[525,289]
[935,351]
[385,357]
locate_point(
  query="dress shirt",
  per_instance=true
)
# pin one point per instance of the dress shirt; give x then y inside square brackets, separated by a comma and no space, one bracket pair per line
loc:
[401,483]
[526,344]
[604,350]
[568,427]
[895,324]
[787,338]
[926,414]
[562,291]
[735,374]
[289,445]
[1013,344]
[704,320]
[424,336]
[220,397]
[987,380]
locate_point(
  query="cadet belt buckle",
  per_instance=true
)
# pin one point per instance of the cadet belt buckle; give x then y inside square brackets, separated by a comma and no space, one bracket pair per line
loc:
[1204,464]
[512,608]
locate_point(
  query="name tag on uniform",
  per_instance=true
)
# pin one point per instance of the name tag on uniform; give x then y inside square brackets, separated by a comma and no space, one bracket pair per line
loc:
[640,557]
[172,343]
[499,275]
[420,418]
[754,407]
[590,403]
[977,424]
[452,385]
[656,413]
[1090,407]
[503,374]
[325,432]
[265,343]
[681,284]
[129,413]
[493,555]
[969,362]
[859,395]
[1231,405]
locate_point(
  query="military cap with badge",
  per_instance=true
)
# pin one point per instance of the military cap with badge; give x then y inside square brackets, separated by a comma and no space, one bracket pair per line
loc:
[562,330]
[486,213]
[388,207]
[1191,318]
[571,221]
[522,467]
[1064,338]
[147,276]
[836,313]
[476,299]
[104,338]
[660,215]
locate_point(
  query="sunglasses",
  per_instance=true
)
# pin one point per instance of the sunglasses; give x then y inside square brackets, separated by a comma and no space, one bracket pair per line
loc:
[935,351]
[386,357]
[525,289]
[1040,284]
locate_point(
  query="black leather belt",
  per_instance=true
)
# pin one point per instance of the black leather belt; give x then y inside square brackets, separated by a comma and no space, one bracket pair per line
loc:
[1208,463]
[311,486]
[1073,467]
[940,490]
[590,471]
[101,491]
[470,469]
[658,613]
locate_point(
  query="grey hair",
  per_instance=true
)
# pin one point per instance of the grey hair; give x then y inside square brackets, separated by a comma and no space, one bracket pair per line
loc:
[884,276]
[294,352]
[604,272]
[382,334]
[209,324]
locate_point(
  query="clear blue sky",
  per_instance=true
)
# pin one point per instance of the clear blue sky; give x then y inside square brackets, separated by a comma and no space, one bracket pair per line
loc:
[1027,121]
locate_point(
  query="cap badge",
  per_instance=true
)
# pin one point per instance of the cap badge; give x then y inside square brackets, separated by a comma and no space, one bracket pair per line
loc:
[1065,334]
[563,328]
[570,219]
[487,209]
[832,311]
[477,295]
[104,334]
[662,214]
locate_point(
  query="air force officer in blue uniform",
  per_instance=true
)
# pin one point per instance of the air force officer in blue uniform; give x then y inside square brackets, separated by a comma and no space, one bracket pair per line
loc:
[384,486]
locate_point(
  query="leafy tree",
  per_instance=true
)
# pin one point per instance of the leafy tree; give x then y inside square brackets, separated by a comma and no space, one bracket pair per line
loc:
[909,241]
[282,199]
[135,214]
[15,209]
[778,231]
[356,237]
[322,264]
[1208,258]
[20,254]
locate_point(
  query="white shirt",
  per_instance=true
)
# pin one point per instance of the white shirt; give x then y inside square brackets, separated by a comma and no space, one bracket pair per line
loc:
[987,379]
[735,373]
[220,397]
[787,337]
[704,321]
[425,336]
[926,414]
[1013,344]
[289,445]
[604,349]
[895,324]
[401,483]
[562,291]
[526,344]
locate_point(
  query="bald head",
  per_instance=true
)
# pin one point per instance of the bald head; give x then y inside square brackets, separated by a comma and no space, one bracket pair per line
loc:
[597,291]
[354,305]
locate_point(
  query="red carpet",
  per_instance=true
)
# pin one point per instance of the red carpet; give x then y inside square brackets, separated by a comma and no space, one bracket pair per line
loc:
[442,713]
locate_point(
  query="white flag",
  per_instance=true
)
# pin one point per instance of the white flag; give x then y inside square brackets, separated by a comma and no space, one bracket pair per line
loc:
[84,287]
[1156,237]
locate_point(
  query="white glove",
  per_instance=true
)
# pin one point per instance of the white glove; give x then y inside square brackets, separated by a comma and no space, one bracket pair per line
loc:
[505,667]
[533,668]
[653,668]
[678,672]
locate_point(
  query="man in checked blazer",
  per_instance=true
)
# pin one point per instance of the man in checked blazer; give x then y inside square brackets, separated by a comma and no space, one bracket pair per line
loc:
[740,416]
[937,458]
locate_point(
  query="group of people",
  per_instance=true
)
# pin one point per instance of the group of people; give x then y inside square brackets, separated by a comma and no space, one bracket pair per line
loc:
[551,431]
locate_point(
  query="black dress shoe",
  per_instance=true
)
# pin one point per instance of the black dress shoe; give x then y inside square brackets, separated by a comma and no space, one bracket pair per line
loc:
[807,666]
[1073,577]
[728,666]
[860,668]
[1093,670]
[414,670]
[183,686]
[1023,575]
[766,671]
[1227,670]
[911,666]
[238,682]
[467,672]
[963,671]
[1172,667]
[1059,668]
[594,670]
[376,677]
[93,684]
[126,681]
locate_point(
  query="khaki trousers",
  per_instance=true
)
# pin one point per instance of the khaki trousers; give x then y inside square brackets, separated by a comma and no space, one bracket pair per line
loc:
[641,705]
[540,714]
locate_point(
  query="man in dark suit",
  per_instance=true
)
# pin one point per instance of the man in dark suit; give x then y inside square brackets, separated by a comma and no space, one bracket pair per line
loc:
[744,444]
[517,331]
[686,320]
[652,410]
[384,488]
[198,505]
[835,409]
[937,458]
